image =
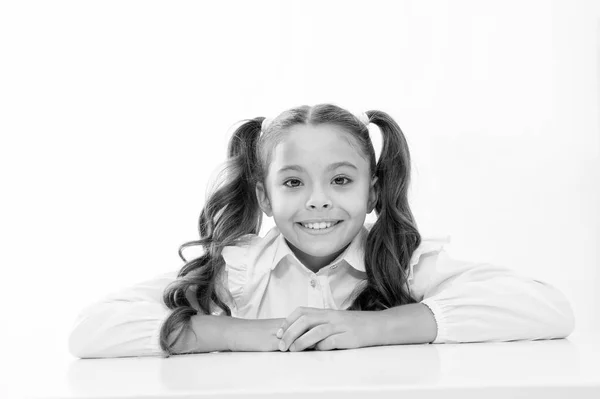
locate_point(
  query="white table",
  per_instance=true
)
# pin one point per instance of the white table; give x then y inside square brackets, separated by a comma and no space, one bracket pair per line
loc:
[566,368]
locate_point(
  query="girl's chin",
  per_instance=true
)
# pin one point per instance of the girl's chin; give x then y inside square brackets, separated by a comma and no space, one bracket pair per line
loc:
[321,251]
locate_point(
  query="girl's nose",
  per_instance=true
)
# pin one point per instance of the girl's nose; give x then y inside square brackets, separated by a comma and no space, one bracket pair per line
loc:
[318,200]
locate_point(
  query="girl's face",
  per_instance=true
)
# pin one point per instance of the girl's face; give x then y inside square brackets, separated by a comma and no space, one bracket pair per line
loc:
[318,191]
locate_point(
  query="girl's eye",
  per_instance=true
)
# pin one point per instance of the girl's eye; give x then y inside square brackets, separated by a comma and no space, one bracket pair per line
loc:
[291,180]
[342,178]
[339,181]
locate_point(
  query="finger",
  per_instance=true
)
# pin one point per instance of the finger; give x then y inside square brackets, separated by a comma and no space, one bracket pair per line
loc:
[295,330]
[328,343]
[303,324]
[312,337]
[290,320]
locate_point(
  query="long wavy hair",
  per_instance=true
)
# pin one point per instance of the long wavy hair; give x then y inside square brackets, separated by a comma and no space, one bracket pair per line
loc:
[231,213]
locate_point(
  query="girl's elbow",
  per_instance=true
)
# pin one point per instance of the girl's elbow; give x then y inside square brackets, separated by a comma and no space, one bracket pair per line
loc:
[567,325]
[80,347]
[561,315]
[97,335]
[83,347]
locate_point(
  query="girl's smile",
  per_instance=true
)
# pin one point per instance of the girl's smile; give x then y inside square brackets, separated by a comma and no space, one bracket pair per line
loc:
[319,228]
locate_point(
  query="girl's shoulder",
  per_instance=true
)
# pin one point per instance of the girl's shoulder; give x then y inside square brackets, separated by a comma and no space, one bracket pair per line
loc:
[248,248]
[246,262]
[431,243]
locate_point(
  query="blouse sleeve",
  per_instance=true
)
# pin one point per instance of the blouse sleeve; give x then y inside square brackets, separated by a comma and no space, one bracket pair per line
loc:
[480,302]
[124,323]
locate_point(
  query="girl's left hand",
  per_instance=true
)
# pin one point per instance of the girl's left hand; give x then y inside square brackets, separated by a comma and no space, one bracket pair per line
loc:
[326,329]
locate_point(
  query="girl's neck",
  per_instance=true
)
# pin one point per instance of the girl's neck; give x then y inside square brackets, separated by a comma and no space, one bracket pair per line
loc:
[314,263]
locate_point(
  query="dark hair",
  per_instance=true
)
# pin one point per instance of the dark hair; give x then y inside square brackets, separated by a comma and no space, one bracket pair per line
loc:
[231,212]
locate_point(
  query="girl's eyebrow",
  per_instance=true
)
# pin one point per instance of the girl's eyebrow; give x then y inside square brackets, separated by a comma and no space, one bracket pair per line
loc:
[332,166]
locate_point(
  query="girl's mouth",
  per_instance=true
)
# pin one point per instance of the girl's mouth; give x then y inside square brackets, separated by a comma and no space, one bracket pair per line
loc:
[319,228]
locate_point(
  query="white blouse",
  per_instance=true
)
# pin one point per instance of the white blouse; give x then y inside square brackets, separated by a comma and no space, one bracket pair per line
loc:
[263,279]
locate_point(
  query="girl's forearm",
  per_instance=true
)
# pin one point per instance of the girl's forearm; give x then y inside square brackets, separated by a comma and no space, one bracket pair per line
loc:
[223,333]
[407,324]
[254,335]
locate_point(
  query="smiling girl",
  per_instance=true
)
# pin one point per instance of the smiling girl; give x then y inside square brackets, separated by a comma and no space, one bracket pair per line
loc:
[321,278]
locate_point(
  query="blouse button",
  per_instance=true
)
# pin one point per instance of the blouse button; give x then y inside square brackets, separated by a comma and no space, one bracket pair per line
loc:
[313,283]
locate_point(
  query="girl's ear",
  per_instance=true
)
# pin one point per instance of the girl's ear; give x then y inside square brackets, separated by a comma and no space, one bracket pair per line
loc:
[373,195]
[263,199]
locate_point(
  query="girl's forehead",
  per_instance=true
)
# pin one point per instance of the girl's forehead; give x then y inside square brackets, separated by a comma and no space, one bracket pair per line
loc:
[316,145]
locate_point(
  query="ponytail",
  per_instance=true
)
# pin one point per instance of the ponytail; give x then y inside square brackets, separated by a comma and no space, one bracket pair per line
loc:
[394,236]
[231,211]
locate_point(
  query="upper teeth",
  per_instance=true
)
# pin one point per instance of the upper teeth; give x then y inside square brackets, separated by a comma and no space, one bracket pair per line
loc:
[322,225]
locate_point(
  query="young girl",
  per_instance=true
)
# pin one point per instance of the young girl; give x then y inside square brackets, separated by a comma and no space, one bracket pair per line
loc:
[321,279]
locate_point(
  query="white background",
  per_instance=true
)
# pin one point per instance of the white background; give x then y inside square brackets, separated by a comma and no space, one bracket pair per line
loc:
[114,114]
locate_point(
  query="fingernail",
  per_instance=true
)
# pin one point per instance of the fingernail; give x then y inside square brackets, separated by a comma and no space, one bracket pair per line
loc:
[279,333]
[281,346]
